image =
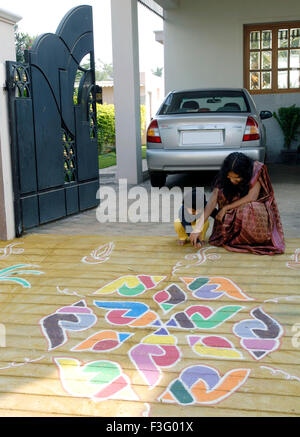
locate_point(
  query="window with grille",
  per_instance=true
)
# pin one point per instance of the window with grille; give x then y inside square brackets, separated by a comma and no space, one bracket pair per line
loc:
[272,58]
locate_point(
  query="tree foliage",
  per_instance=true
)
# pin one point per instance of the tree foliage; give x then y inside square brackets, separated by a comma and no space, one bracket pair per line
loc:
[23,42]
[104,71]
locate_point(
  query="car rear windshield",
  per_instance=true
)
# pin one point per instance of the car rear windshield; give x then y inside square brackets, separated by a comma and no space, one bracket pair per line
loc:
[205,101]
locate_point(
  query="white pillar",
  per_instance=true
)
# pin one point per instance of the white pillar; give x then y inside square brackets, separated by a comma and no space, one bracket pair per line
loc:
[127,89]
[7,53]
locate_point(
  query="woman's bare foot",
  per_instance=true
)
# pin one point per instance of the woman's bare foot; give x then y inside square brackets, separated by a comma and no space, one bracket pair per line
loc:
[200,244]
[181,242]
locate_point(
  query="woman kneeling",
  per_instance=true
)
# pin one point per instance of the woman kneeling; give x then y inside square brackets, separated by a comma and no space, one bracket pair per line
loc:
[248,218]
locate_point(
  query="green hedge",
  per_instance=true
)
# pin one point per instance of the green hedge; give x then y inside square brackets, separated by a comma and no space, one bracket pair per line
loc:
[106,126]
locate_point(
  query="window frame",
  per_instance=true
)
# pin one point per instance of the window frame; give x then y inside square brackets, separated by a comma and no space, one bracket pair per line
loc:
[274,27]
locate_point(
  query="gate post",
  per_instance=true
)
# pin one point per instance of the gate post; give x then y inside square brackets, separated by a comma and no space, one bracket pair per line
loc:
[127,89]
[7,52]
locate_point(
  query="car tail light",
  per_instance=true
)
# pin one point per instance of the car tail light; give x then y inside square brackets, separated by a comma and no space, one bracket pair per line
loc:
[252,130]
[153,135]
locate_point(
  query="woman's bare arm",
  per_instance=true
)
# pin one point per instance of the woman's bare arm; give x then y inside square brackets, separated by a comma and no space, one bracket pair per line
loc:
[211,205]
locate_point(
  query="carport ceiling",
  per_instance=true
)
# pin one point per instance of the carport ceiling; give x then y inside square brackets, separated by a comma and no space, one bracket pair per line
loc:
[168,4]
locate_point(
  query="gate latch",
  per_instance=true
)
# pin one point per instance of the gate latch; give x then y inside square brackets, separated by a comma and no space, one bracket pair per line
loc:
[9,85]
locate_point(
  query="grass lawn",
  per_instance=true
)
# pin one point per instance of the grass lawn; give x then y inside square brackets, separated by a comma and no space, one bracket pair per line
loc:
[110,159]
[107,160]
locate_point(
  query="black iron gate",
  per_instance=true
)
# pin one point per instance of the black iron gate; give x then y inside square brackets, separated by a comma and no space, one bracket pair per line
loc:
[54,140]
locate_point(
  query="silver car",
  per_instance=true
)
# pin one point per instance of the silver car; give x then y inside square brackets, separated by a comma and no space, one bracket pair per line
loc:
[196,129]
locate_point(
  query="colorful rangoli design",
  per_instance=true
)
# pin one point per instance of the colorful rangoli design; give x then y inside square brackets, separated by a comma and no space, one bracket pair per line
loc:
[215,288]
[204,385]
[214,347]
[156,351]
[103,341]
[203,317]
[9,274]
[98,380]
[159,352]
[169,298]
[76,317]
[259,336]
[134,314]
[131,286]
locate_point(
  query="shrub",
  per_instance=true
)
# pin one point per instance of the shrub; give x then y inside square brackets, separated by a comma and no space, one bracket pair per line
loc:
[289,121]
[106,126]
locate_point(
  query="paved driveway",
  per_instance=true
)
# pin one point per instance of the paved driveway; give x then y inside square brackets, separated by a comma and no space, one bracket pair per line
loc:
[285,180]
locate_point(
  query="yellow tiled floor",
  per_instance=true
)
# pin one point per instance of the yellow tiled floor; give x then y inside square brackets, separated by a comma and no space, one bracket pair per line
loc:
[222,345]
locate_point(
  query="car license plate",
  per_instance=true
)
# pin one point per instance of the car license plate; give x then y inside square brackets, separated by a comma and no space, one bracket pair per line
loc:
[202,137]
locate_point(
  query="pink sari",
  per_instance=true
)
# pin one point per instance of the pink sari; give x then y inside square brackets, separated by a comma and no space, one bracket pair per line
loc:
[254,227]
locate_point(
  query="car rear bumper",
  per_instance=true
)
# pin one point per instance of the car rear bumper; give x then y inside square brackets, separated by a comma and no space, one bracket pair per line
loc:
[193,160]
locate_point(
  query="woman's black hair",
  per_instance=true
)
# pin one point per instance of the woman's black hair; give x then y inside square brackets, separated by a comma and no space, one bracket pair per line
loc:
[240,164]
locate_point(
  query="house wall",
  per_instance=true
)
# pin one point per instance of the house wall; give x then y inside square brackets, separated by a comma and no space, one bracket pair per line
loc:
[151,95]
[108,95]
[7,53]
[204,44]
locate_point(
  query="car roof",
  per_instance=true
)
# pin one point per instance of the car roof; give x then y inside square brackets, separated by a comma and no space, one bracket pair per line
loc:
[208,89]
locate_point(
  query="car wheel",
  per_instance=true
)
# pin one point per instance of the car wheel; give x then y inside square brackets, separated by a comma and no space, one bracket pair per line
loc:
[158,179]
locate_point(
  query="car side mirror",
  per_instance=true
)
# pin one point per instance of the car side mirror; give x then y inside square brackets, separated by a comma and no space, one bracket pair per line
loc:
[264,115]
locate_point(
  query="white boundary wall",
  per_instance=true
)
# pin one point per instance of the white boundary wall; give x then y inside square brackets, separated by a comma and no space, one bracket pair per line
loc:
[204,47]
[7,53]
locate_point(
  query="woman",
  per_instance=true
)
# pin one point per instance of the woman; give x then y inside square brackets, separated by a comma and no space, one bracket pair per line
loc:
[248,218]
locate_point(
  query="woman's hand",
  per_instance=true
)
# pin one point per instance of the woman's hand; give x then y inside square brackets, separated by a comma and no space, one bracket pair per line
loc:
[221,214]
[194,237]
